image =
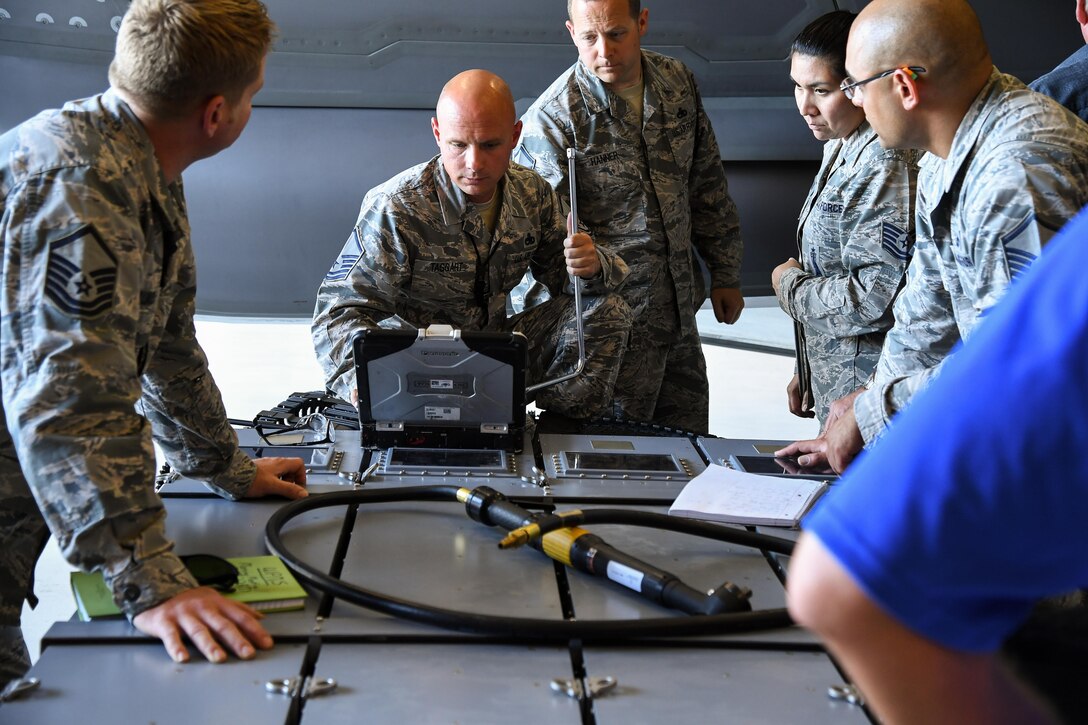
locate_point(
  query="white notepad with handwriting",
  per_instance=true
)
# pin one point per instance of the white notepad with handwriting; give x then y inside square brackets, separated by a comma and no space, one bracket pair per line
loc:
[735,497]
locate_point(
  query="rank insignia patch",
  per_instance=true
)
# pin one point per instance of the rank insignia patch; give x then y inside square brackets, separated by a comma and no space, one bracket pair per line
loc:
[894,240]
[1017,257]
[347,259]
[81,275]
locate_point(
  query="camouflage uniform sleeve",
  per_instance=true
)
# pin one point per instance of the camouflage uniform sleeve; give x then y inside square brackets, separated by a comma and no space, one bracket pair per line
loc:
[875,254]
[186,411]
[542,148]
[612,276]
[549,265]
[70,388]
[1011,208]
[875,408]
[996,233]
[924,332]
[715,223]
[361,291]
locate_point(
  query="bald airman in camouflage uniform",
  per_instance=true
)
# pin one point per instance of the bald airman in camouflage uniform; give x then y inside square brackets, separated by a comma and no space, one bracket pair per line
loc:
[422,252]
[855,234]
[651,189]
[1006,168]
[98,351]
[1017,172]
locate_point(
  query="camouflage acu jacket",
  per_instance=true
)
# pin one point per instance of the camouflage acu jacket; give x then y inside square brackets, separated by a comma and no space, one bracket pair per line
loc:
[420,254]
[1016,173]
[855,235]
[649,192]
[97,328]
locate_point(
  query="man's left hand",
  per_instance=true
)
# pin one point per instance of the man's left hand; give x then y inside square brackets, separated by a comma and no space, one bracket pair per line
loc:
[776,275]
[581,256]
[283,477]
[728,303]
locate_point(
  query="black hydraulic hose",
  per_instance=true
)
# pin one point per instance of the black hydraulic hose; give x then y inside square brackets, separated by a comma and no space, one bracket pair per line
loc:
[507,627]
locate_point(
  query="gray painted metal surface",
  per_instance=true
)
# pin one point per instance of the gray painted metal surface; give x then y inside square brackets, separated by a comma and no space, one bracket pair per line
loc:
[394,670]
[675,685]
[137,683]
[440,683]
[567,485]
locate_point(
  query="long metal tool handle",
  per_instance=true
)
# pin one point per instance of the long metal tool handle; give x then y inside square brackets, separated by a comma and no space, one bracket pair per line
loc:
[576,282]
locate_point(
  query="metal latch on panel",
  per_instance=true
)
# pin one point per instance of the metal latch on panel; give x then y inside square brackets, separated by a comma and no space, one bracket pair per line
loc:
[309,687]
[573,688]
[846,693]
[19,688]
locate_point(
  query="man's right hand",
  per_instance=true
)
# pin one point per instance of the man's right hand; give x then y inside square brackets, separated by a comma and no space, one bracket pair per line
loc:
[278,476]
[839,445]
[808,453]
[209,620]
[581,256]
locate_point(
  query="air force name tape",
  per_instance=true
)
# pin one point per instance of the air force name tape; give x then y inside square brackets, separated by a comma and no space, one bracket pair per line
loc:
[81,276]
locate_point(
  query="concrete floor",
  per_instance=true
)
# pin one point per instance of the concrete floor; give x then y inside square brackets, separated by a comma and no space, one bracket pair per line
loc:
[257,363]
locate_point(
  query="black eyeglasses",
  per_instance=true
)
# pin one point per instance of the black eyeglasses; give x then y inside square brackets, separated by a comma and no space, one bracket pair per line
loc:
[850,87]
[212,571]
[308,430]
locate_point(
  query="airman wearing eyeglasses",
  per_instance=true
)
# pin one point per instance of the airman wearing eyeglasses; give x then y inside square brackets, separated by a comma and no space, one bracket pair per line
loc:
[1006,168]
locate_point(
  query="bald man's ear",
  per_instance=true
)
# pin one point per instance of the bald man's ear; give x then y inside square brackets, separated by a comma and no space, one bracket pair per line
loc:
[434,130]
[517,132]
[906,88]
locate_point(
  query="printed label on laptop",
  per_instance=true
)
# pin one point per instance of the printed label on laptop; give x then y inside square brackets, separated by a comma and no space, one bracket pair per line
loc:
[437,412]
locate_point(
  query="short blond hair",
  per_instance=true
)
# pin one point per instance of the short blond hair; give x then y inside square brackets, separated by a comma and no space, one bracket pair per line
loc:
[173,55]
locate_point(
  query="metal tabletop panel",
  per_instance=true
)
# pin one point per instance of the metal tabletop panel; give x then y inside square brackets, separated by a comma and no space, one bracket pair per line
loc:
[434,553]
[394,670]
[735,686]
[138,683]
[428,683]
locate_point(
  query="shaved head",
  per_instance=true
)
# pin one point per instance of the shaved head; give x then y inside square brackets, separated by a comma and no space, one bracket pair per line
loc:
[917,109]
[476,128]
[477,93]
[943,36]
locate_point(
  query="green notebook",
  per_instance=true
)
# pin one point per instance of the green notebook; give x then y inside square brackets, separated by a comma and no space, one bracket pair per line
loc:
[264,583]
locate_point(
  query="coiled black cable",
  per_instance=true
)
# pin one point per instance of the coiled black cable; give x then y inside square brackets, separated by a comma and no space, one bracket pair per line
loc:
[525,628]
